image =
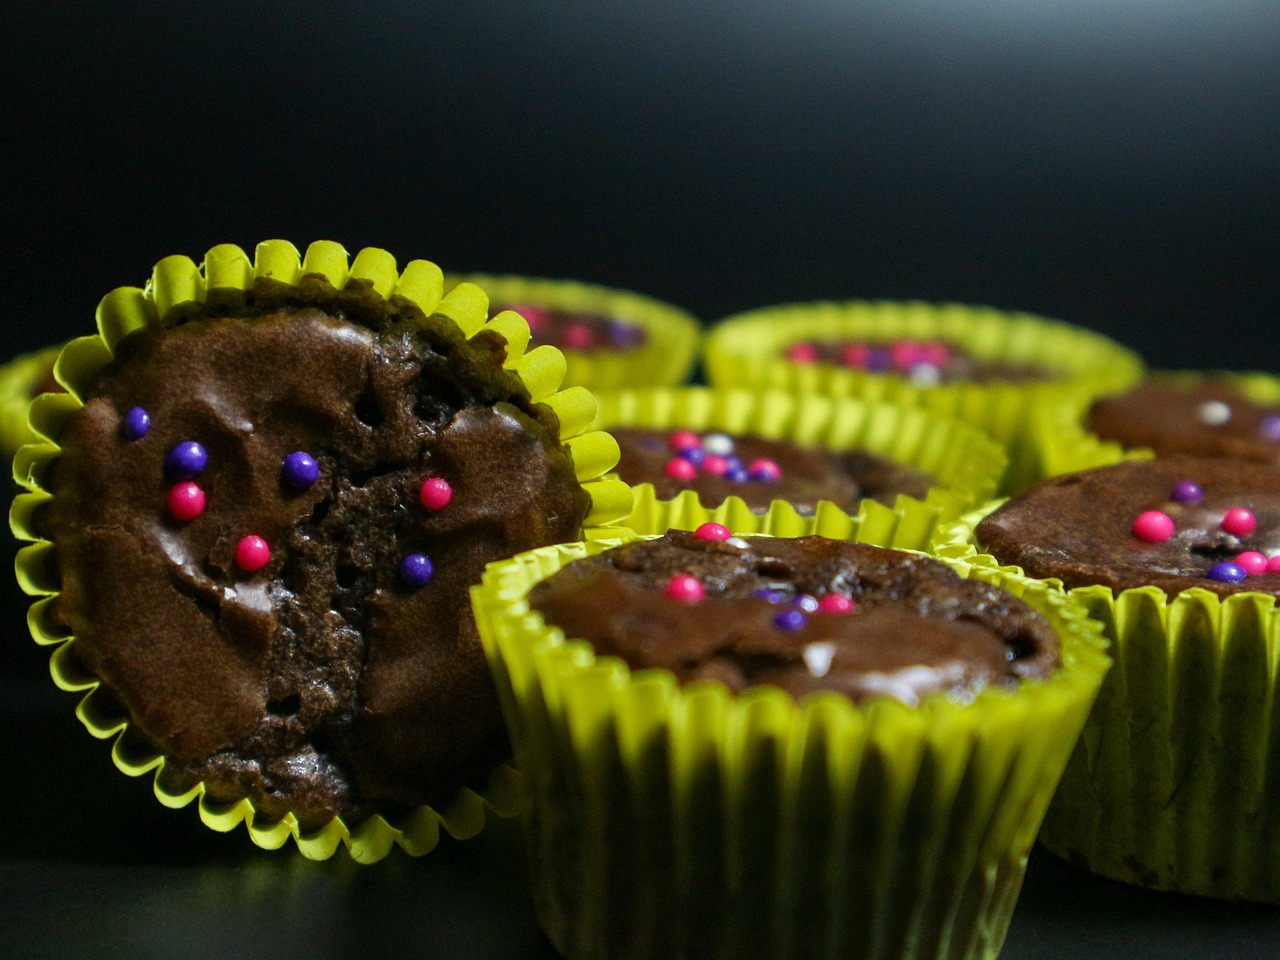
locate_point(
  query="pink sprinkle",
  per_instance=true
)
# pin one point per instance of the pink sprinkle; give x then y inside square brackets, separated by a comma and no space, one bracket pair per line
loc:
[435,493]
[185,500]
[802,353]
[684,588]
[578,336]
[713,531]
[934,352]
[252,553]
[715,465]
[836,603]
[764,469]
[1239,521]
[536,317]
[1252,562]
[905,354]
[1273,564]
[1153,526]
[683,440]
[681,469]
[855,355]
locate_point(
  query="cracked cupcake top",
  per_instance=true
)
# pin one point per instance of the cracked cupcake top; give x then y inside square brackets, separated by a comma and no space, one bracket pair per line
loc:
[267,516]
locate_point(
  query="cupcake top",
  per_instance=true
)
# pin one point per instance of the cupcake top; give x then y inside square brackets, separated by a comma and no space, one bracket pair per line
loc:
[925,363]
[717,465]
[580,330]
[1207,417]
[1170,523]
[803,614]
[266,517]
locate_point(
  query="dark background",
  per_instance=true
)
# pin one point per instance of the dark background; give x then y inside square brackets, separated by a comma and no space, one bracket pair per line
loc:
[1109,162]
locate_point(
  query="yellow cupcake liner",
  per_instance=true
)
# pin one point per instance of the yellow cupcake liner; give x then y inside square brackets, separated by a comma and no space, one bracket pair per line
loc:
[748,350]
[966,463]
[669,821]
[1174,784]
[665,359]
[19,379]
[178,284]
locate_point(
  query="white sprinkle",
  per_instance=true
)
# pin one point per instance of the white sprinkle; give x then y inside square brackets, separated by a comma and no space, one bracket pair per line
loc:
[737,542]
[818,657]
[1215,413]
[925,375]
[905,684]
[719,444]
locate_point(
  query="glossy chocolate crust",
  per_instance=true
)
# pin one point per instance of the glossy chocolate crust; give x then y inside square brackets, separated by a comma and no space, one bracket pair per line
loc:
[919,628]
[321,684]
[808,475]
[1167,418]
[1078,527]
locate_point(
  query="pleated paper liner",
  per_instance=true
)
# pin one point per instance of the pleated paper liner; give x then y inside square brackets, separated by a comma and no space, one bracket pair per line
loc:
[1174,784]
[178,283]
[748,350]
[20,380]
[665,359]
[669,821]
[966,463]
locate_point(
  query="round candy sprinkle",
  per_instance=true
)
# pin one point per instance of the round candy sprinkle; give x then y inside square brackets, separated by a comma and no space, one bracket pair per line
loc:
[1227,572]
[1239,521]
[737,542]
[802,353]
[694,455]
[836,603]
[713,531]
[1252,562]
[416,570]
[855,355]
[185,500]
[252,553]
[1273,564]
[1214,413]
[684,440]
[1152,526]
[1269,427]
[579,336]
[934,352]
[737,474]
[684,588]
[925,375]
[720,444]
[435,493]
[299,470]
[807,603]
[680,469]
[790,620]
[715,465]
[772,594]
[764,470]
[185,461]
[136,423]
[1186,492]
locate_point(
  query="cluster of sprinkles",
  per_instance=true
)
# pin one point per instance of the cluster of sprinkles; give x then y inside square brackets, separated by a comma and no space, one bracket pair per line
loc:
[713,455]
[1156,526]
[1216,413]
[687,589]
[185,500]
[588,333]
[922,361]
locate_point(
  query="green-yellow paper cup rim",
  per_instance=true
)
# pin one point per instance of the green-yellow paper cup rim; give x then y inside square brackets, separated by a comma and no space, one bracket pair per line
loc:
[748,349]
[672,335]
[899,823]
[19,379]
[1173,783]
[178,283]
[965,462]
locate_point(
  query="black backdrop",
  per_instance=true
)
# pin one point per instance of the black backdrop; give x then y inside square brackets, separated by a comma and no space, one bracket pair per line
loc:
[1108,162]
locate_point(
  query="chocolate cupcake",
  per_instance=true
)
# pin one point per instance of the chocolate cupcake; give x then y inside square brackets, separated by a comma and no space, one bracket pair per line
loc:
[611,339]
[785,748]
[986,367]
[1171,785]
[778,463]
[261,507]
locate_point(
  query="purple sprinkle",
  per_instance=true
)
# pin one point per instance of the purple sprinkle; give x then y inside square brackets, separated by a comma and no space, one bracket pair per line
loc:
[136,424]
[694,455]
[737,474]
[807,603]
[185,461]
[879,359]
[1269,427]
[416,570]
[772,594]
[299,470]
[1227,572]
[1186,492]
[790,620]
[765,474]
[622,334]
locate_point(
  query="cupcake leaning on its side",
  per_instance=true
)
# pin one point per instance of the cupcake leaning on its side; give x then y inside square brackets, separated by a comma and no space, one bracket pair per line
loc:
[1173,784]
[672,816]
[611,338]
[990,368]
[255,518]
[788,465]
